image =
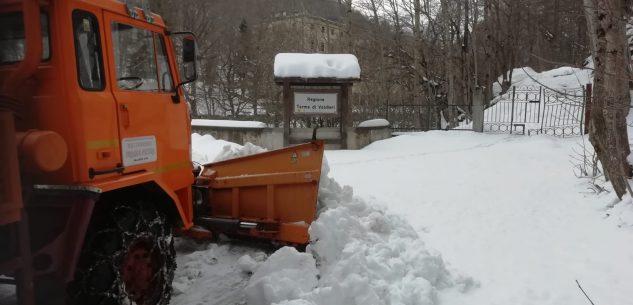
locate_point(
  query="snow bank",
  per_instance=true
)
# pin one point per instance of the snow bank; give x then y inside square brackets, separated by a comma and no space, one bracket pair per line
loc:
[505,209]
[228,123]
[7,294]
[212,273]
[287,274]
[364,255]
[342,66]
[206,149]
[374,123]
[359,254]
[559,78]
[618,212]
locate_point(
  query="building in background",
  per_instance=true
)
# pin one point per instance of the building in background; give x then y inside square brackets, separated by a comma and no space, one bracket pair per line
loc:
[301,32]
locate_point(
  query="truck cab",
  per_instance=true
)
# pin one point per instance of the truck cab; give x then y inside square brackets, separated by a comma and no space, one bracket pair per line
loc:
[96,149]
[92,97]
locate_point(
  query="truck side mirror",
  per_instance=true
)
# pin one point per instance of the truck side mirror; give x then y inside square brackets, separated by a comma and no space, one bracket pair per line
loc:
[189,58]
[185,45]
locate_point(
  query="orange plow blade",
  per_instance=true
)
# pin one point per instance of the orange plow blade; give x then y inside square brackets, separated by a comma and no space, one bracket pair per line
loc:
[271,195]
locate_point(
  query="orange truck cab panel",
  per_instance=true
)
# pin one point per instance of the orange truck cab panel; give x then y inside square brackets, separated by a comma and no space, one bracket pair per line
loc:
[93,115]
[105,86]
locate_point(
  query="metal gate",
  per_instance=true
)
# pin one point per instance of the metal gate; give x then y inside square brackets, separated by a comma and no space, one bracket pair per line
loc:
[537,110]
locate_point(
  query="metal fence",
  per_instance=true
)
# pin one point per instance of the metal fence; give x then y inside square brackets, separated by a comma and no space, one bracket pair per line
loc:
[411,117]
[524,110]
[535,110]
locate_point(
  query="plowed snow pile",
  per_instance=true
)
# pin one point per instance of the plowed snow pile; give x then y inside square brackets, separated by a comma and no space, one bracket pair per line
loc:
[359,254]
[362,254]
[206,149]
[504,209]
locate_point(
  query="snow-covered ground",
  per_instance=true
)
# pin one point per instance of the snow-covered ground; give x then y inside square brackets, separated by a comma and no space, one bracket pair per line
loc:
[437,218]
[360,254]
[507,210]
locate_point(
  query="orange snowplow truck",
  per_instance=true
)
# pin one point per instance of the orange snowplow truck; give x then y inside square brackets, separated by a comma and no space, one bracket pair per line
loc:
[95,151]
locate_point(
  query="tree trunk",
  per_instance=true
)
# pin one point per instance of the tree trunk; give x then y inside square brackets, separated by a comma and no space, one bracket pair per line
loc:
[608,129]
[417,45]
[348,30]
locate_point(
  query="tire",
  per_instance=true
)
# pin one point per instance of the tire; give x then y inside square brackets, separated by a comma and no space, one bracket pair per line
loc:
[128,258]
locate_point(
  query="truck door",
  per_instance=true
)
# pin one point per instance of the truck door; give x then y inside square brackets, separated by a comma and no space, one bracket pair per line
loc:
[153,130]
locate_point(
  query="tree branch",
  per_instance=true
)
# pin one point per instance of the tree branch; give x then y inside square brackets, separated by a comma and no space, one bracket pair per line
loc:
[583,292]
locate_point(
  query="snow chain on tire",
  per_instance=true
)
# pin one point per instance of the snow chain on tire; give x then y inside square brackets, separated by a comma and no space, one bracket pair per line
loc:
[99,276]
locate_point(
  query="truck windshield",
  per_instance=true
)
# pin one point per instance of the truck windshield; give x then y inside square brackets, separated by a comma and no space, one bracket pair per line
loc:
[12,37]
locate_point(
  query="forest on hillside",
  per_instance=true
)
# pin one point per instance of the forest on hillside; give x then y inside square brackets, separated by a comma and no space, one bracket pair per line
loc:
[419,52]
[410,51]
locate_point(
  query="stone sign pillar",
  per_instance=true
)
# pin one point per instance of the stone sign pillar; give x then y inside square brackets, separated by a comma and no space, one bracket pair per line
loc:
[316,93]
[323,100]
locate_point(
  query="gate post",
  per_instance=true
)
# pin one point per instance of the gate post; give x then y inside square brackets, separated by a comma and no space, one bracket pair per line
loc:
[544,101]
[287,102]
[387,111]
[588,100]
[512,111]
[540,100]
[346,113]
[478,110]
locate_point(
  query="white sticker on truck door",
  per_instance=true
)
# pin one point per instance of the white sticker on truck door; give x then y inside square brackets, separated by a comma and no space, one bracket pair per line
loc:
[139,150]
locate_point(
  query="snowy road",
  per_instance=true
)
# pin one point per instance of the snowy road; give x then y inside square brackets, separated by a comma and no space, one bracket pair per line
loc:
[505,210]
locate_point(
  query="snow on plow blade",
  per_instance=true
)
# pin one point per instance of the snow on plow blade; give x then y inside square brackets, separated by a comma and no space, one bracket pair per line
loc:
[271,195]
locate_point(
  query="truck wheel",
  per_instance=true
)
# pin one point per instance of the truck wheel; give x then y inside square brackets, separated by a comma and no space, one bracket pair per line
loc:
[128,258]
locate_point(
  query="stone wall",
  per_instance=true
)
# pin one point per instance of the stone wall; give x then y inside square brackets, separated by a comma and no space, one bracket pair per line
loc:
[269,138]
[272,138]
[359,137]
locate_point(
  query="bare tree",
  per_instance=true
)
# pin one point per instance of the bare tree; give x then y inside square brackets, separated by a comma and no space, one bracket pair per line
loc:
[608,129]
[423,52]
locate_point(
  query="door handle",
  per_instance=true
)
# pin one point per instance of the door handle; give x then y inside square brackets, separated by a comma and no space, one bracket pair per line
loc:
[93,172]
[125,115]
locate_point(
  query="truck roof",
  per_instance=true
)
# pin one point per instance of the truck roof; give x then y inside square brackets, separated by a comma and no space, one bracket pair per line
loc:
[115,6]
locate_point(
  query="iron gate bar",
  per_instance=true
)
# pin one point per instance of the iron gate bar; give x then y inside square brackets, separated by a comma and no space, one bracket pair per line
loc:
[540,96]
[582,113]
[542,116]
[512,115]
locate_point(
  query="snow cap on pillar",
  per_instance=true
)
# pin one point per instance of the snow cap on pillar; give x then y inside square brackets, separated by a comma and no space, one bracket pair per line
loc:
[336,66]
